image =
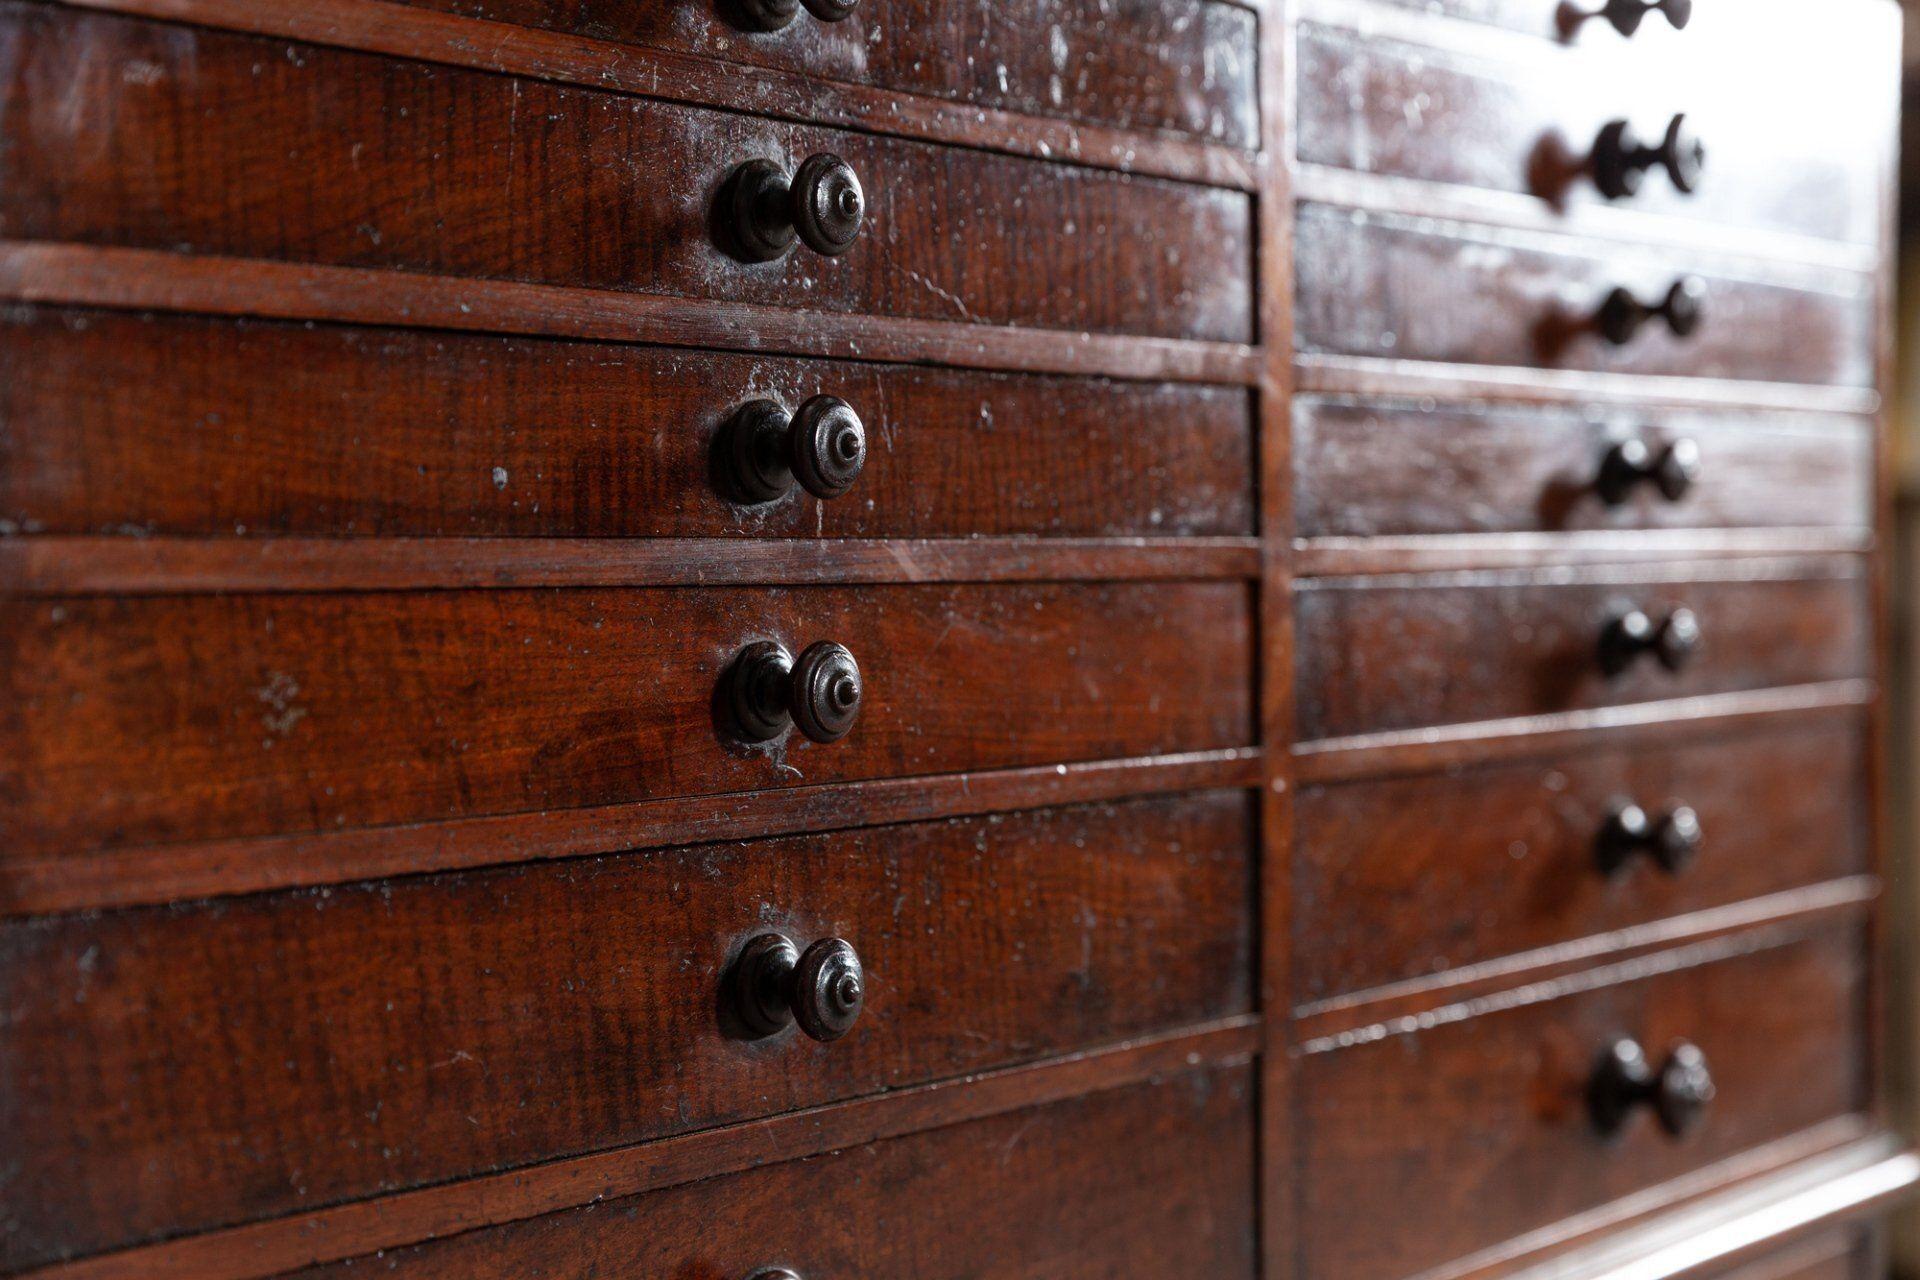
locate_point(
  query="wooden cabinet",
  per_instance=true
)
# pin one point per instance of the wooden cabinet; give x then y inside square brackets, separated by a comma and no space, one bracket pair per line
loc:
[842,639]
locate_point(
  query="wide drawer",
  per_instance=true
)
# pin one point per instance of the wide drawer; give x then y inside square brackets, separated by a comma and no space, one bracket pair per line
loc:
[1399,468]
[1414,652]
[1151,1182]
[1187,67]
[355,160]
[1525,119]
[119,423]
[1387,286]
[1427,1145]
[387,1035]
[199,717]
[1401,879]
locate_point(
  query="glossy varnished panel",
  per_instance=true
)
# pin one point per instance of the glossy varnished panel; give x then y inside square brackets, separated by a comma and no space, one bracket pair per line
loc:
[117,423]
[1364,469]
[384,1035]
[1413,652]
[1187,67]
[1409,878]
[314,155]
[1523,120]
[1151,1182]
[1388,286]
[133,721]
[1430,1144]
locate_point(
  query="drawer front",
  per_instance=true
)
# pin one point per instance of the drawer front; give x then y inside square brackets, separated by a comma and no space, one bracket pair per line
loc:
[376,1037]
[1426,1147]
[1395,469]
[1150,1182]
[1188,66]
[1403,878]
[1381,285]
[354,160]
[1526,125]
[1402,653]
[216,427]
[189,718]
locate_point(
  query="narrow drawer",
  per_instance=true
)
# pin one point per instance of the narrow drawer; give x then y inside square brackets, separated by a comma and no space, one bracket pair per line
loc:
[389,1035]
[1150,1182]
[1409,653]
[1387,469]
[1405,878]
[1428,1146]
[122,423]
[1839,1255]
[1382,285]
[1186,67]
[200,717]
[350,159]
[1526,120]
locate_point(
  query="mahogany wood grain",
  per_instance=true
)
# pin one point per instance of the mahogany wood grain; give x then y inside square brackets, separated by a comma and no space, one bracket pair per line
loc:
[1393,653]
[1412,878]
[354,160]
[141,721]
[377,26]
[1524,121]
[1186,67]
[1457,1132]
[416,995]
[1378,285]
[147,424]
[1446,553]
[1397,469]
[1151,1182]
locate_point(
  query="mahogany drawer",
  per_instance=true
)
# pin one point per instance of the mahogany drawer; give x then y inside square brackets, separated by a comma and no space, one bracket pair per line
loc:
[219,427]
[142,720]
[1152,1182]
[1388,286]
[1840,1255]
[1400,468]
[1427,1145]
[508,1017]
[1185,67]
[356,160]
[1400,879]
[1524,120]
[1397,653]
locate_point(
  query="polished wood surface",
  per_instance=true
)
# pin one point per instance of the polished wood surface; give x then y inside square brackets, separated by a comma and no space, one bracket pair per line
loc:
[322,1003]
[203,717]
[565,188]
[213,428]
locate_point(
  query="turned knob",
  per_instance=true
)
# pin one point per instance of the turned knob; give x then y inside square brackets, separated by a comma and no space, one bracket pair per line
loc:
[1631,463]
[763,452]
[765,211]
[1621,160]
[1622,314]
[776,15]
[1673,841]
[1633,634]
[766,691]
[822,989]
[1627,15]
[1678,1093]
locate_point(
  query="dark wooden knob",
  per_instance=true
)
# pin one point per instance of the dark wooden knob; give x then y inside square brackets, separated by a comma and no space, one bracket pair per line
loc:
[1627,15]
[766,15]
[1678,1093]
[765,691]
[764,211]
[1622,314]
[1632,463]
[762,451]
[775,1273]
[1673,841]
[1621,160]
[1633,634]
[774,984]
[831,10]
